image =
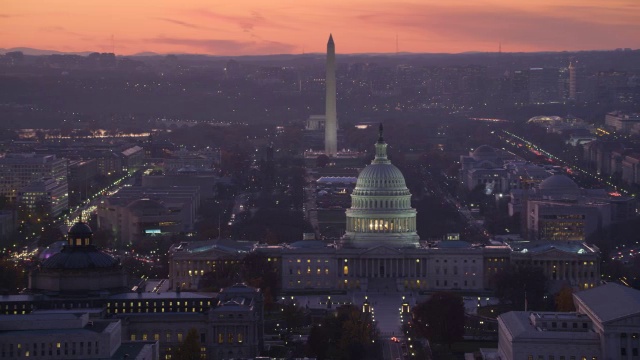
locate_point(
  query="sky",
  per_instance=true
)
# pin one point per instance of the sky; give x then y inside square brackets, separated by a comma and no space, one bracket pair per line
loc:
[255,27]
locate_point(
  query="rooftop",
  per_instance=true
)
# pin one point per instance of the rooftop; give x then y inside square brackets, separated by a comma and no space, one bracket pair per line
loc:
[611,301]
[519,326]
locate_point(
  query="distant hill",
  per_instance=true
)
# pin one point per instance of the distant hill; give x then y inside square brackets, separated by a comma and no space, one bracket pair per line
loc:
[38,52]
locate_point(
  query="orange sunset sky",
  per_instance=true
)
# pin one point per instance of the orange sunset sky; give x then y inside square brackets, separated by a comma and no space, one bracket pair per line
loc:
[242,27]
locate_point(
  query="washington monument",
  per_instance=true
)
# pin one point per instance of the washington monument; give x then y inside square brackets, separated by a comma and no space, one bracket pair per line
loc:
[331,121]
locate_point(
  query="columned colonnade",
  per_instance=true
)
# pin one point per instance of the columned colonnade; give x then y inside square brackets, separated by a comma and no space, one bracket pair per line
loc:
[382,267]
[386,225]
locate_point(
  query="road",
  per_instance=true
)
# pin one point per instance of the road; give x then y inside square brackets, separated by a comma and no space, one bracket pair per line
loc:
[572,169]
[392,350]
[433,184]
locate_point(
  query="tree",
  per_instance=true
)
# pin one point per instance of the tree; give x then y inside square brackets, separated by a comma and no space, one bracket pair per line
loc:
[346,336]
[520,285]
[189,349]
[12,277]
[322,161]
[293,316]
[258,271]
[564,300]
[441,318]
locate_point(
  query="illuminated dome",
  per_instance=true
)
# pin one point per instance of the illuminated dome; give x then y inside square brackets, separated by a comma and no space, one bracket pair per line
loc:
[543,119]
[381,212]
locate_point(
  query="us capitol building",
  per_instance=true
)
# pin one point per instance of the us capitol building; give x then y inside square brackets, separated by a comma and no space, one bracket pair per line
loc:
[381,250]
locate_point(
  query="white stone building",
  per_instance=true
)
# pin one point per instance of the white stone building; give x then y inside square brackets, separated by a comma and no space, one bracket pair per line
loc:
[605,326]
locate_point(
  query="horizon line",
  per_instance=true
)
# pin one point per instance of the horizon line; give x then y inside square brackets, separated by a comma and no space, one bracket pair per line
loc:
[153,53]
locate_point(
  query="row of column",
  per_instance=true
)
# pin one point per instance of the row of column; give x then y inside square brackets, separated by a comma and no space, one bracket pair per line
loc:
[573,271]
[233,330]
[393,225]
[387,267]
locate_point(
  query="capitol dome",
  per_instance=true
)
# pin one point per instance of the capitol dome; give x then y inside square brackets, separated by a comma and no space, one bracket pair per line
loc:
[381,212]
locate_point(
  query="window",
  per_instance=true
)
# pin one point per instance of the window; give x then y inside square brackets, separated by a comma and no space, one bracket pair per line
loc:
[180,337]
[239,337]
[230,338]
[133,337]
[345,270]
[623,351]
[220,338]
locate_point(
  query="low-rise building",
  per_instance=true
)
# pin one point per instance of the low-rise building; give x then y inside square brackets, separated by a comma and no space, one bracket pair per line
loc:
[605,325]
[68,334]
[136,212]
[48,195]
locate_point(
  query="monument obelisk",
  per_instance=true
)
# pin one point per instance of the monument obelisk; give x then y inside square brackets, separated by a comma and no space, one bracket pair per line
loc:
[331,118]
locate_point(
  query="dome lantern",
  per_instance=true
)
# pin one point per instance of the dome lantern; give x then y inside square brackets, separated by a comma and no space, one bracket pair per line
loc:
[80,234]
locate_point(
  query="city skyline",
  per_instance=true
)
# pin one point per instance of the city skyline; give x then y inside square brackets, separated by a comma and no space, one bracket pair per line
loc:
[253,28]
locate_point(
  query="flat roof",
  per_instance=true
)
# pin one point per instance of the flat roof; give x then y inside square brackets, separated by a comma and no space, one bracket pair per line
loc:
[520,327]
[611,301]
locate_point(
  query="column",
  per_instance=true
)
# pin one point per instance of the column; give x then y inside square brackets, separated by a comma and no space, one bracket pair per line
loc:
[387,267]
[366,267]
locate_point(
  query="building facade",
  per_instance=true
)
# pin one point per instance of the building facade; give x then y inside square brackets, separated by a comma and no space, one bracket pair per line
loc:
[17,170]
[605,326]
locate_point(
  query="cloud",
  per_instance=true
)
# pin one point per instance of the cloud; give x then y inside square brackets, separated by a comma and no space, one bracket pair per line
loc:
[551,30]
[227,47]
[245,23]
[59,30]
[181,23]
